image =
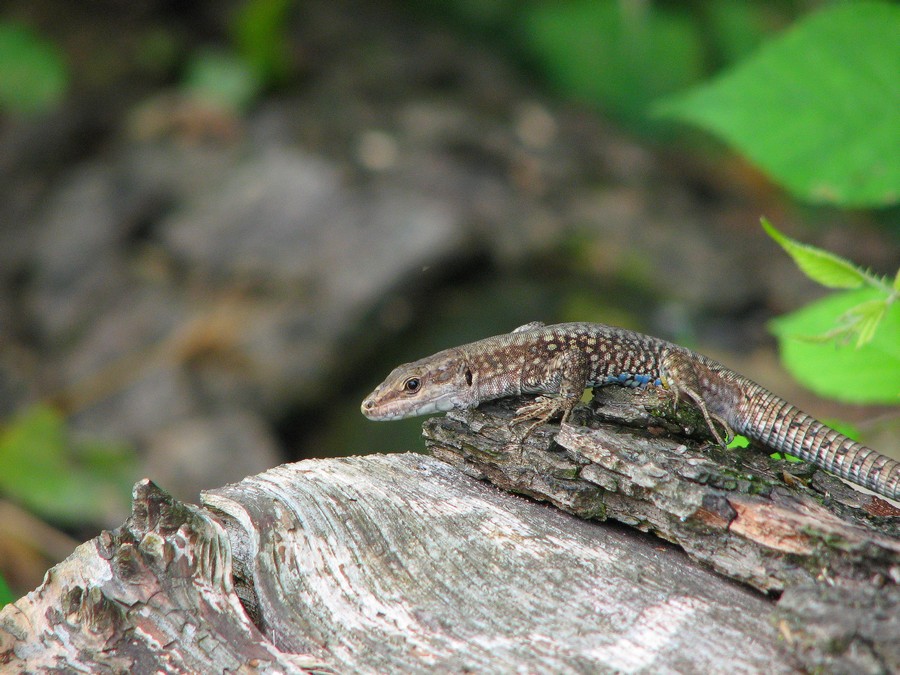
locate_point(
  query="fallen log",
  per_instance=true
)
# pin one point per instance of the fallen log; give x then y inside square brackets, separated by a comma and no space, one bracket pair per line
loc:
[404,563]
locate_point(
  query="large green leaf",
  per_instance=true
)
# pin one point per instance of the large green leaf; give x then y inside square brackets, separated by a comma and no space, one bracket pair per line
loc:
[818,108]
[617,55]
[869,374]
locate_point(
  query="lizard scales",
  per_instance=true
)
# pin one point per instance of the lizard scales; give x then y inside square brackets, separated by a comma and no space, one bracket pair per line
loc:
[560,361]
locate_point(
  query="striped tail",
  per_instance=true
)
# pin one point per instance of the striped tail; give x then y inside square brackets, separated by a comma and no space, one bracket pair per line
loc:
[773,421]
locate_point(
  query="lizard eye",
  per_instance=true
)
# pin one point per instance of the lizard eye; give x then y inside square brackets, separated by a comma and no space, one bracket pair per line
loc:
[411,386]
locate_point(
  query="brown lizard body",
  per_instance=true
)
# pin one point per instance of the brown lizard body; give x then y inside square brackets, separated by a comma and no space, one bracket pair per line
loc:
[559,362]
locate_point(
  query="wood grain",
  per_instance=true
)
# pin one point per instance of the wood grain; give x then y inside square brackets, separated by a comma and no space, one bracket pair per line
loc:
[405,560]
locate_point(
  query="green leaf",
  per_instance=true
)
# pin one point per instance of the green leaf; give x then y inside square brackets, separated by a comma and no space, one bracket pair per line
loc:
[821,266]
[617,55]
[33,75]
[739,441]
[897,281]
[261,36]
[869,374]
[786,457]
[71,484]
[6,595]
[818,108]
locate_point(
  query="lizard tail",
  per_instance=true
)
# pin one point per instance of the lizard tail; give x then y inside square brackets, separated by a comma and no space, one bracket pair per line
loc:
[773,421]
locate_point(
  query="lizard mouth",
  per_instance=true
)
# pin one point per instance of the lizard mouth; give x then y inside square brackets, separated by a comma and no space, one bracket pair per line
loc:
[370,410]
[400,409]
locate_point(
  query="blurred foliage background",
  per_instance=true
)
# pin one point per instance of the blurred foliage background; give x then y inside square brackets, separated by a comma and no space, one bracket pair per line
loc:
[453,168]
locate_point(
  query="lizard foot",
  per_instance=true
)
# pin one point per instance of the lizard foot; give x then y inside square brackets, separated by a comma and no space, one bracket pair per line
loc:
[542,410]
[711,418]
[728,432]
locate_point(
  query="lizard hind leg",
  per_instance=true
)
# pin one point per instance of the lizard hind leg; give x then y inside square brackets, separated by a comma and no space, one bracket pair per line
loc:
[680,377]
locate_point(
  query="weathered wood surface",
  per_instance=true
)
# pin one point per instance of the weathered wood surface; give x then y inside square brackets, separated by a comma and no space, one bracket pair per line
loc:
[153,596]
[776,525]
[381,564]
[403,563]
[847,628]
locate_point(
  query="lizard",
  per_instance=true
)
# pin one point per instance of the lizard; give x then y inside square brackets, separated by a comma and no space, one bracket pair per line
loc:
[558,362]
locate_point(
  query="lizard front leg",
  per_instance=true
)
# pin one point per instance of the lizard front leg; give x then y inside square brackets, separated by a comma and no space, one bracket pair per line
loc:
[680,375]
[563,379]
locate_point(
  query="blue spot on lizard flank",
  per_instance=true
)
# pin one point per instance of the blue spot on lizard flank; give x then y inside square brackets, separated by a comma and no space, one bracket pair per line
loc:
[633,380]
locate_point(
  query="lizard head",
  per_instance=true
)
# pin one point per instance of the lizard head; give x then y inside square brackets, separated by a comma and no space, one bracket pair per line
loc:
[434,384]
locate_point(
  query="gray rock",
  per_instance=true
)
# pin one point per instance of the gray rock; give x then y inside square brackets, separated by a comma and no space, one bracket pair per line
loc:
[76,257]
[317,252]
[288,218]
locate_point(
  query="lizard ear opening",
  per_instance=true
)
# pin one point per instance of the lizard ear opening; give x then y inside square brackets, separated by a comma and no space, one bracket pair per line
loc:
[469,376]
